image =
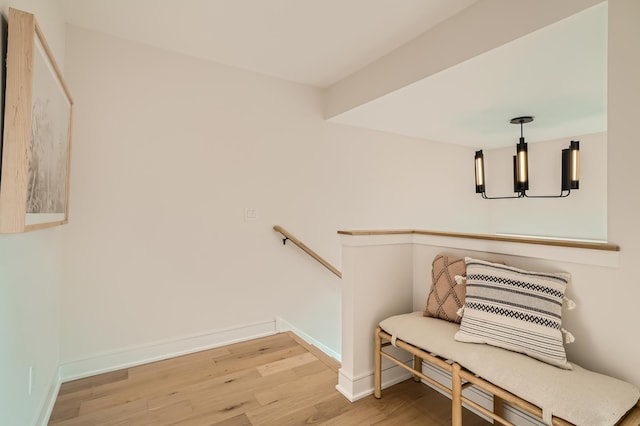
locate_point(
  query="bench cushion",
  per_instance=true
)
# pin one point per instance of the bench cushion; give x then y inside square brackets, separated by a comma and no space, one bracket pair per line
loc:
[579,396]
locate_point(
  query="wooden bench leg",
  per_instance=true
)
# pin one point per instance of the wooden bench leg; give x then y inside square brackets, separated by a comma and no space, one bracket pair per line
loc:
[498,406]
[377,372]
[417,365]
[456,396]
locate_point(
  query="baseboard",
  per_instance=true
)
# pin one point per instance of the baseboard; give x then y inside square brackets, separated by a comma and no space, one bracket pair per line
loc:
[355,388]
[283,325]
[50,401]
[131,357]
[480,397]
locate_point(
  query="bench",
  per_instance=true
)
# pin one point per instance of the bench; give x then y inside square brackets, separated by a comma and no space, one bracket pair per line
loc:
[556,396]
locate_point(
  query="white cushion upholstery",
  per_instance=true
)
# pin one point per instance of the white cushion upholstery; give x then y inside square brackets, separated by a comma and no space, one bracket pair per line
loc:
[579,396]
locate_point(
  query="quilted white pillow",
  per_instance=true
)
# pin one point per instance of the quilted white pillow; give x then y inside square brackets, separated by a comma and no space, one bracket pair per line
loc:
[515,309]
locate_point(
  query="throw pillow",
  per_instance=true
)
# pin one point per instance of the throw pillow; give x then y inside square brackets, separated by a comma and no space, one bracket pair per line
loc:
[446,296]
[515,309]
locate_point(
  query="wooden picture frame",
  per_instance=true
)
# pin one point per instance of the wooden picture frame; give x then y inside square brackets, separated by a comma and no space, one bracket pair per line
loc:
[36,145]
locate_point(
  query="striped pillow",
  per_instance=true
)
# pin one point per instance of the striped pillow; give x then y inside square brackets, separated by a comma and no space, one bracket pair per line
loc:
[515,309]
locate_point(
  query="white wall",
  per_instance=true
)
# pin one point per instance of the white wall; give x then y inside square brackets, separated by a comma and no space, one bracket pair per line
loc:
[582,215]
[30,281]
[377,283]
[598,321]
[169,150]
[618,291]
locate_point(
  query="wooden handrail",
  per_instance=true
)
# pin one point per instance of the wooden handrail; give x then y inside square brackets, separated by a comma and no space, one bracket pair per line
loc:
[503,238]
[316,256]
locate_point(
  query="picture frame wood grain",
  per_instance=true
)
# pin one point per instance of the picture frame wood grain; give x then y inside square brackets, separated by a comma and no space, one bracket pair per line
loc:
[36,145]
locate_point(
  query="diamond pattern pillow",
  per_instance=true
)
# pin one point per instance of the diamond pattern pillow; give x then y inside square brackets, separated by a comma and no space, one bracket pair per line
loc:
[446,297]
[515,309]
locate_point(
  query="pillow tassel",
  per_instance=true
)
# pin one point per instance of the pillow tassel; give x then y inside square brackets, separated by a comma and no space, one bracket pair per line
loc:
[460,311]
[547,416]
[460,279]
[568,337]
[569,303]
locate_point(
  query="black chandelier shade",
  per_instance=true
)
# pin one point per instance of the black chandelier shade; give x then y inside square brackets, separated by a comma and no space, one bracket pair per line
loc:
[570,169]
[521,167]
[479,172]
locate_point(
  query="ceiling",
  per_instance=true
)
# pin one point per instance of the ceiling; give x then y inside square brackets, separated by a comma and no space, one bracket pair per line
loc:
[315,42]
[557,74]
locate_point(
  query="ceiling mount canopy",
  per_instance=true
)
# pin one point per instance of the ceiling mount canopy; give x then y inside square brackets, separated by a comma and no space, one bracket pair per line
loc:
[521,121]
[570,168]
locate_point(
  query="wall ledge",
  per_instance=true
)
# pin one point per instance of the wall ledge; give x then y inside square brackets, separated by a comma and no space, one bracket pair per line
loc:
[582,252]
[559,242]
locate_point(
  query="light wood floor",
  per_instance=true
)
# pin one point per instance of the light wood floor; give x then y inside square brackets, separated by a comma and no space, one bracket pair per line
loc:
[276,380]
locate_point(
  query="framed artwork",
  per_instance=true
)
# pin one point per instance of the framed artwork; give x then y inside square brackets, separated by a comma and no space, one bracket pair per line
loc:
[36,145]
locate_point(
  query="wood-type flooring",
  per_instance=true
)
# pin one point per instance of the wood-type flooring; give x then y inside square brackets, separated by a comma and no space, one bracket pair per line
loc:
[276,380]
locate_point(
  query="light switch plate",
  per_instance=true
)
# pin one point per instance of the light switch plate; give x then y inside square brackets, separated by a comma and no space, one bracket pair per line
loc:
[250,213]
